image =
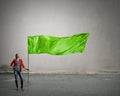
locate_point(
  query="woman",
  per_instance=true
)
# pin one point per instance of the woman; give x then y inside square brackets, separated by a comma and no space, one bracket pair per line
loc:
[17,65]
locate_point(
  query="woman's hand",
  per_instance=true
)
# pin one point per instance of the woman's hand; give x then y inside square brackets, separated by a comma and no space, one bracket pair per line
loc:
[26,69]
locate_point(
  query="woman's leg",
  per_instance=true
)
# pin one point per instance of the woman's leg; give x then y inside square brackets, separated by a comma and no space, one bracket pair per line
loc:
[21,78]
[16,78]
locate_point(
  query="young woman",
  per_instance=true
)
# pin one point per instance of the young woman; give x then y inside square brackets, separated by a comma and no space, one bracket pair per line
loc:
[17,65]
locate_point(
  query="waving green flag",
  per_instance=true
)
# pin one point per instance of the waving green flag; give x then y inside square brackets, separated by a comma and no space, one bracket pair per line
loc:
[57,45]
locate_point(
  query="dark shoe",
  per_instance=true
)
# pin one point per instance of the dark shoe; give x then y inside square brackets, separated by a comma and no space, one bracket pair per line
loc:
[22,89]
[16,89]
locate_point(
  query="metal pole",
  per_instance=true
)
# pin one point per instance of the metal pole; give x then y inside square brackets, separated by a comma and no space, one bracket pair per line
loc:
[28,70]
[28,67]
[28,61]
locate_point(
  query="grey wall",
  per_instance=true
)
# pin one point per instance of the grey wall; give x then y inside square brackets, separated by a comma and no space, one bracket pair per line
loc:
[21,18]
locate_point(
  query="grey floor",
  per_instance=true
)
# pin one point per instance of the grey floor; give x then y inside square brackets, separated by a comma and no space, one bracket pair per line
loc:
[62,85]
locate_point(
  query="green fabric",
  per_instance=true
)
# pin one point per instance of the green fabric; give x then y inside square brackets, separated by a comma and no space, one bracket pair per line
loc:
[57,45]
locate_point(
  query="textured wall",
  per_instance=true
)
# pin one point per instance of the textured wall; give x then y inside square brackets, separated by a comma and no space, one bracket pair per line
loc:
[21,18]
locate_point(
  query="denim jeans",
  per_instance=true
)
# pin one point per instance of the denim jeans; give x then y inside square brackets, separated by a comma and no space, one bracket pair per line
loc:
[16,74]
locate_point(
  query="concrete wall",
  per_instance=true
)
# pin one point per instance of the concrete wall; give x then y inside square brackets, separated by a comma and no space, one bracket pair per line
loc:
[21,18]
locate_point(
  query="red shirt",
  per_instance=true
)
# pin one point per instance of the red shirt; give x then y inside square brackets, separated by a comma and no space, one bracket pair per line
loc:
[13,63]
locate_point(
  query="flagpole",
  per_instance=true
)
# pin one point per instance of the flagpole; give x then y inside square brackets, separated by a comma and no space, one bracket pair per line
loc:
[28,61]
[28,66]
[28,70]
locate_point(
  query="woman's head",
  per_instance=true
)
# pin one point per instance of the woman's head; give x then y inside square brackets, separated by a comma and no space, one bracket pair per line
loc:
[17,55]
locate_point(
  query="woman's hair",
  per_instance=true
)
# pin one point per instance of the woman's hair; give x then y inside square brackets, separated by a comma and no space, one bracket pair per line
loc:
[16,54]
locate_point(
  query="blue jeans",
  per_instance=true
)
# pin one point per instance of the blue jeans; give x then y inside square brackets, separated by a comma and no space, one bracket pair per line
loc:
[16,74]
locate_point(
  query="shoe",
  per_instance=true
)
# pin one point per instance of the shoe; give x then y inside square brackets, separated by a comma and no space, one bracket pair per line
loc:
[22,89]
[16,89]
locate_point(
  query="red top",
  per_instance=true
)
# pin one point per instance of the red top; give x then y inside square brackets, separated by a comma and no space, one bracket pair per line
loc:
[13,63]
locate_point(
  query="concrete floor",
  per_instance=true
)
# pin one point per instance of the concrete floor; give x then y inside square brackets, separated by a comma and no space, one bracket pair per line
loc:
[62,85]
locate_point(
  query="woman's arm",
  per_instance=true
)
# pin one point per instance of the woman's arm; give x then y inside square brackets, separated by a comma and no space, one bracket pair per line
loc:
[11,64]
[24,65]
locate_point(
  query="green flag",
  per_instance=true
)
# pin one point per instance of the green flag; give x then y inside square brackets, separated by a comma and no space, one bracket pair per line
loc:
[57,45]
